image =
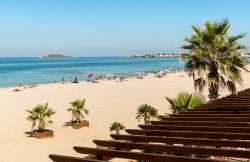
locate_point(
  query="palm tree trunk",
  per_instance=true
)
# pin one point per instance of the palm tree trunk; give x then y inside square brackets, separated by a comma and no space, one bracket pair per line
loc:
[117,131]
[148,120]
[145,120]
[213,92]
[213,87]
[40,129]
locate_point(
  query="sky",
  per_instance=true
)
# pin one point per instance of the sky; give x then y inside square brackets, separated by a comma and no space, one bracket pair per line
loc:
[110,27]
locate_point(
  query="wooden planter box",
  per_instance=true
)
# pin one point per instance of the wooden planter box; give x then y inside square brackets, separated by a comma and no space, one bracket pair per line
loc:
[46,134]
[79,125]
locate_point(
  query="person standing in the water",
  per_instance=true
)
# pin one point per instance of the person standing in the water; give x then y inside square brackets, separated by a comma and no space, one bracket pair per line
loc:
[20,83]
[63,80]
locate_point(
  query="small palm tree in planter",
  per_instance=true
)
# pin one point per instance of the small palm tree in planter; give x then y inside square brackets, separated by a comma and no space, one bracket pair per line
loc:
[185,101]
[78,111]
[146,112]
[117,127]
[40,116]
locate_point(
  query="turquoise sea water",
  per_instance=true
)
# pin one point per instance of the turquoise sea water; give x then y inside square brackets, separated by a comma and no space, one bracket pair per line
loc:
[42,70]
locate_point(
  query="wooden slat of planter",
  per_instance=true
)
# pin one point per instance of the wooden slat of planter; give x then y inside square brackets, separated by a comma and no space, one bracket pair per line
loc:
[203,123]
[197,128]
[224,107]
[226,104]
[210,115]
[234,98]
[61,158]
[216,112]
[245,96]
[237,100]
[229,102]
[220,109]
[225,101]
[242,97]
[241,93]
[231,99]
[190,134]
[170,149]
[231,106]
[231,119]
[185,141]
[139,156]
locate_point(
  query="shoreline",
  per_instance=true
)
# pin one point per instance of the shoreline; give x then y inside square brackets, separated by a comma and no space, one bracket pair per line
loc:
[126,75]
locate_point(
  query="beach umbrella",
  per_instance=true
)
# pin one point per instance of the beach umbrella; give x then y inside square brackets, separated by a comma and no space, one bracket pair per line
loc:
[90,75]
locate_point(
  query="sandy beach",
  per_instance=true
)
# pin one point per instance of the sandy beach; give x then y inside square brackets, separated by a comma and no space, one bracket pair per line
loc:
[107,101]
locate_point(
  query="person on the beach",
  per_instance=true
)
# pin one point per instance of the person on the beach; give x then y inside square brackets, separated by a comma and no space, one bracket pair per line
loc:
[76,80]
[95,81]
[33,85]
[20,83]
[16,90]
[71,80]
[122,78]
[99,77]
[63,80]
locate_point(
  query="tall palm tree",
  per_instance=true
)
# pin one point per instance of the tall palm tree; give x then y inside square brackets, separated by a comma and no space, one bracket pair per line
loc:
[117,127]
[185,101]
[146,112]
[40,116]
[78,110]
[214,59]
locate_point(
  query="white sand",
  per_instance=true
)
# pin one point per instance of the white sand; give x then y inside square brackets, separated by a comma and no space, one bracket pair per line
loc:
[108,101]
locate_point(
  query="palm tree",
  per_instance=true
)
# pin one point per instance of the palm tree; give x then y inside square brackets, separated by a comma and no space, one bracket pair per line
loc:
[185,101]
[146,112]
[78,110]
[40,115]
[214,60]
[196,100]
[117,127]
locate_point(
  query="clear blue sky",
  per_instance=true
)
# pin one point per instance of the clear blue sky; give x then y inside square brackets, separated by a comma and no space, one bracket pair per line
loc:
[109,27]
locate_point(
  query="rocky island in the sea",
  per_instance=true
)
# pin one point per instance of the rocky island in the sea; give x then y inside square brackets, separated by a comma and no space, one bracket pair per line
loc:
[164,55]
[55,55]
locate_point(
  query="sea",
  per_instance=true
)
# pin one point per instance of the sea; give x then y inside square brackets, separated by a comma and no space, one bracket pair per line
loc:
[48,70]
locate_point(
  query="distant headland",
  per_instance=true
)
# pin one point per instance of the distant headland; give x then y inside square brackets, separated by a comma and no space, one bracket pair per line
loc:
[246,55]
[172,55]
[164,55]
[55,55]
